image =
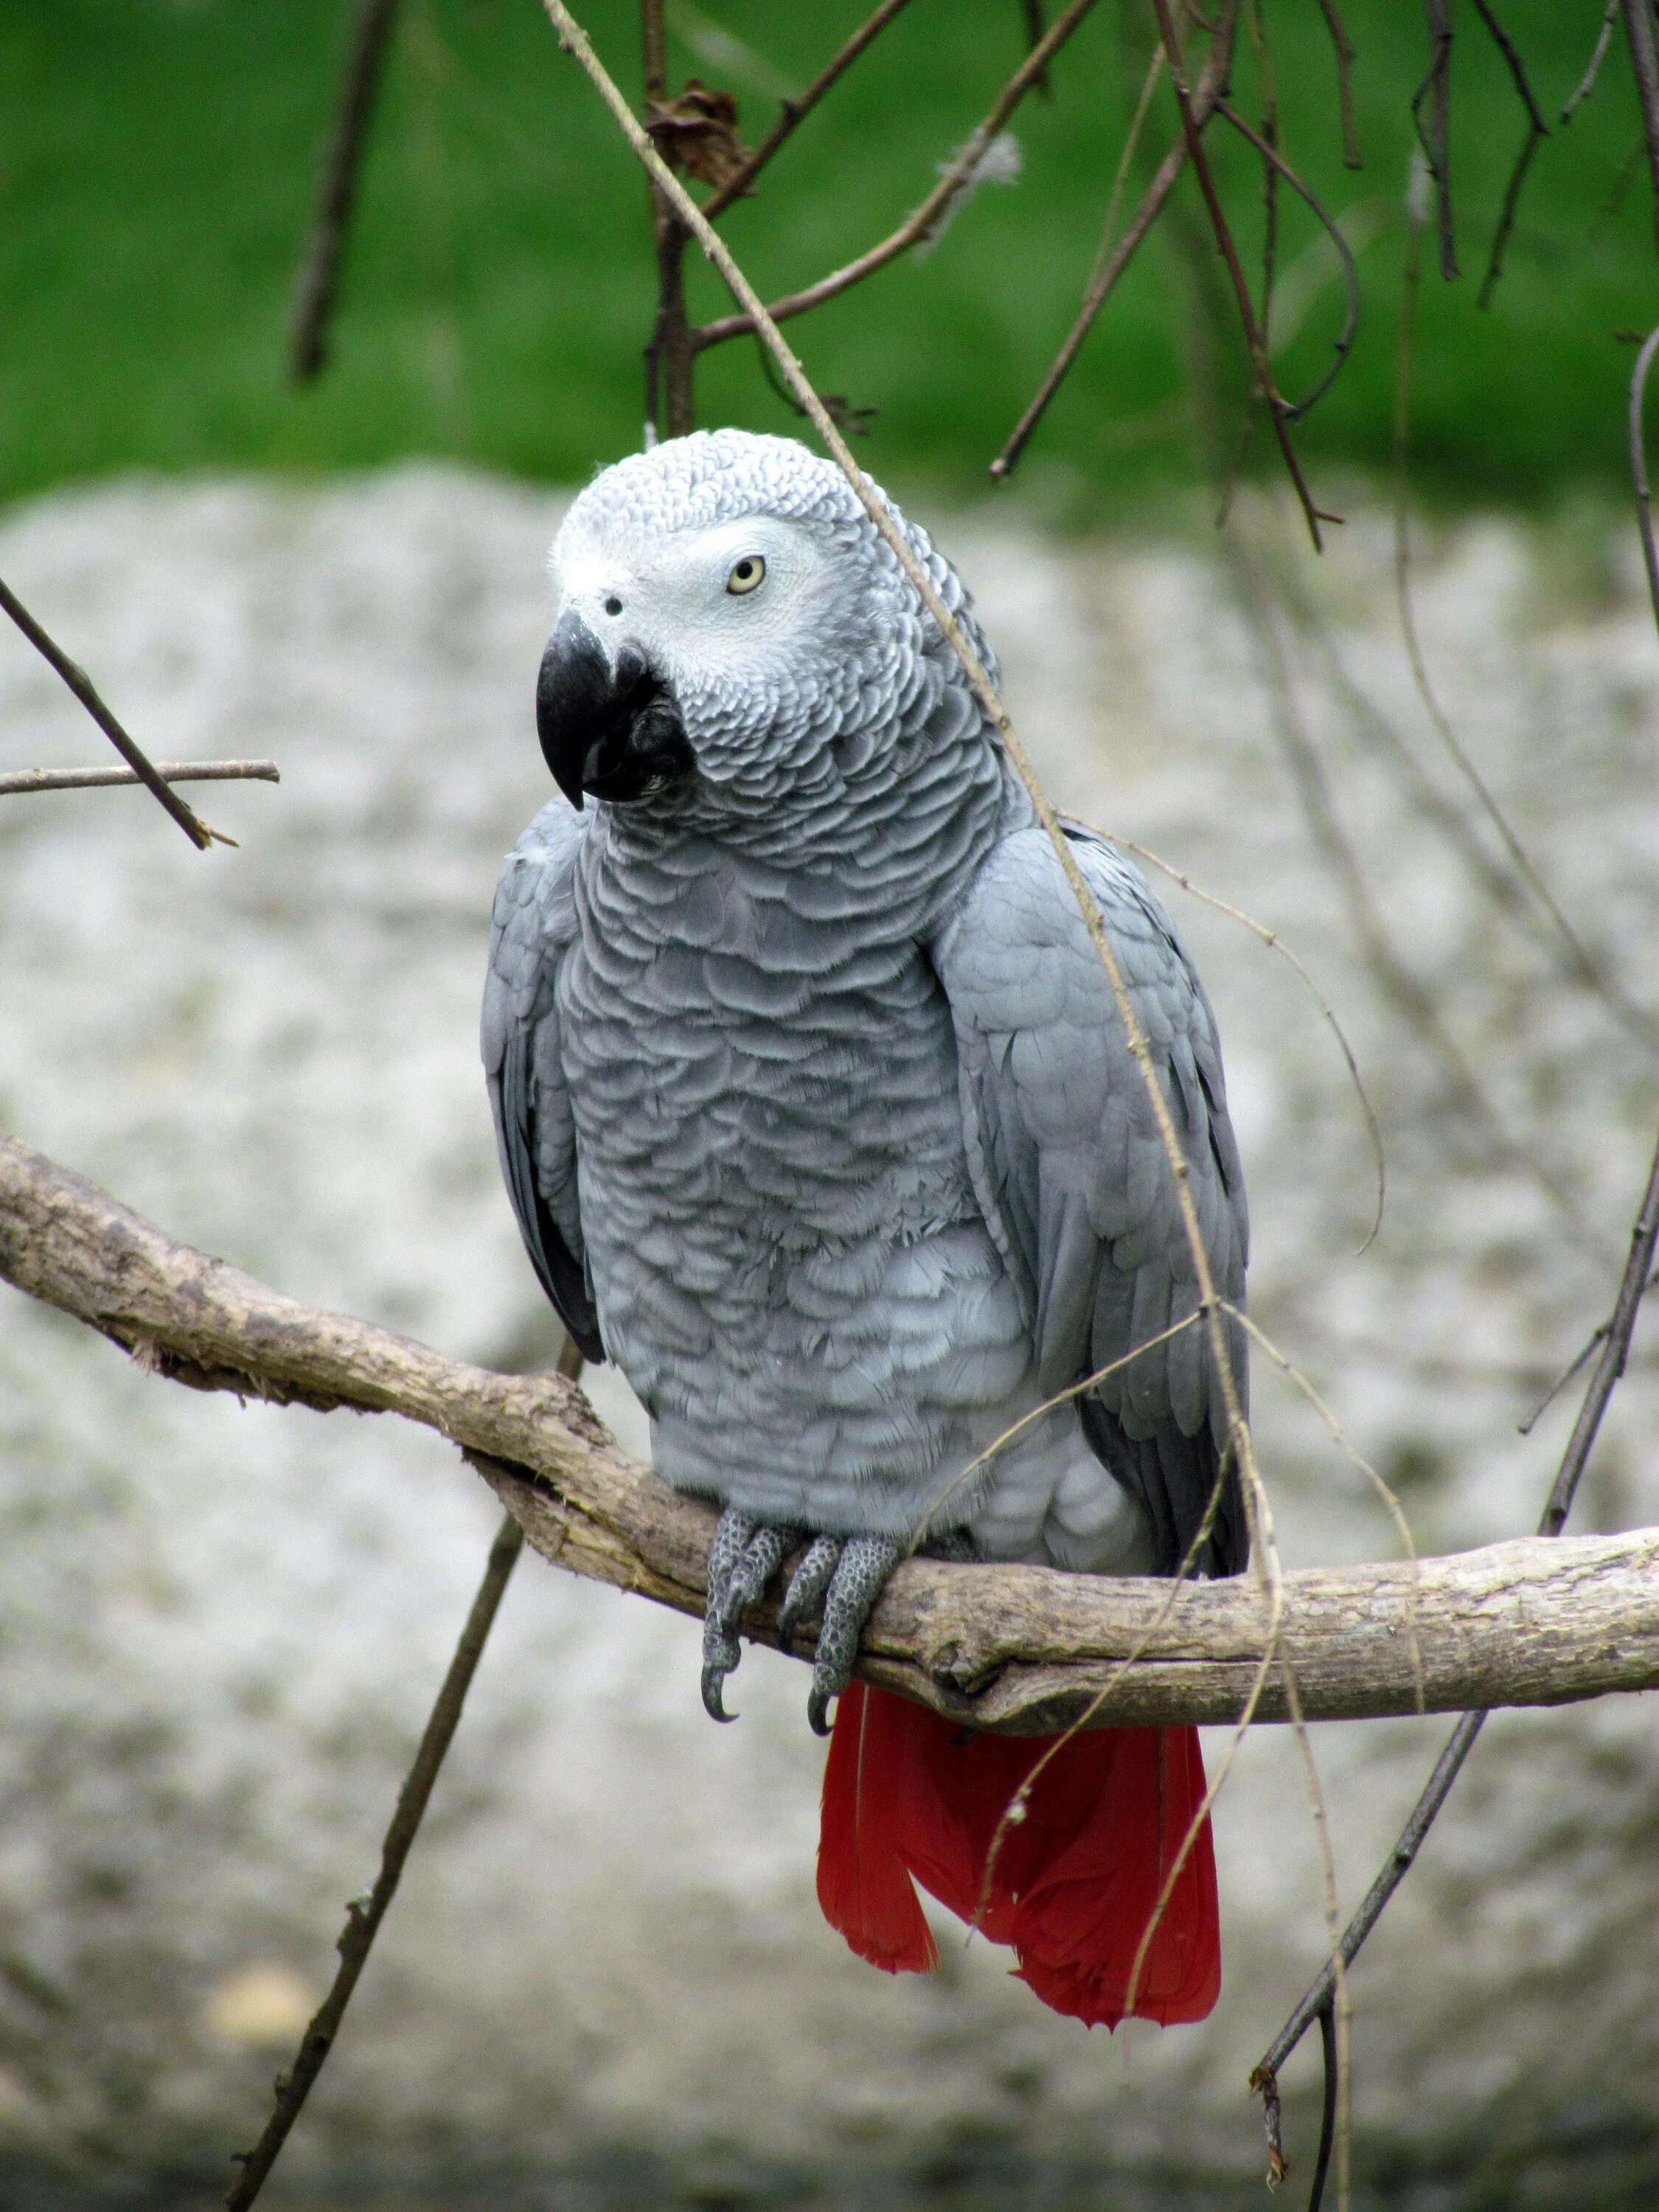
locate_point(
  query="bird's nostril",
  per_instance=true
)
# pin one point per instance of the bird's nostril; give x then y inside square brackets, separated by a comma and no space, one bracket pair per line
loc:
[613,606]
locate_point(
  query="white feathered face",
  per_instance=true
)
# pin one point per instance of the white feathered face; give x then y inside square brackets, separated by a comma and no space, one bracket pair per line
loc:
[726,610]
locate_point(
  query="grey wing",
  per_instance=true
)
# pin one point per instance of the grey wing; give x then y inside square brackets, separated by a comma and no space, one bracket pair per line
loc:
[535,925]
[1072,1175]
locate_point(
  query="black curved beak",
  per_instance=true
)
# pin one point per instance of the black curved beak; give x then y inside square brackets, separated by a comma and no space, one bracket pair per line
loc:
[614,732]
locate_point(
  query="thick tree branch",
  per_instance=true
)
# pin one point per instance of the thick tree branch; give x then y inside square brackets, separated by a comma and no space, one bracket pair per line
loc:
[1015,1648]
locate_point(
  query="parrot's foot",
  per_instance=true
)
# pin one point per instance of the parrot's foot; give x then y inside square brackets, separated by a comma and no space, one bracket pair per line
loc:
[842,1575]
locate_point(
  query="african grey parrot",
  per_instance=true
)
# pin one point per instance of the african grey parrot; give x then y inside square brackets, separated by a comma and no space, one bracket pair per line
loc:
[818,1118]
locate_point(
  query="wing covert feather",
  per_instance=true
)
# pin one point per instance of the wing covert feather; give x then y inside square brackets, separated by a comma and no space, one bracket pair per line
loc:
[1070,1168]
[534,926]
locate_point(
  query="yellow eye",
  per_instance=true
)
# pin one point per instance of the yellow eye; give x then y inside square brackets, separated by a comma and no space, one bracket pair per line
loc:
[746,575]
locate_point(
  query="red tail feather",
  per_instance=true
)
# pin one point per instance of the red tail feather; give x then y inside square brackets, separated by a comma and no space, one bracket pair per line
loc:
[1075,1882]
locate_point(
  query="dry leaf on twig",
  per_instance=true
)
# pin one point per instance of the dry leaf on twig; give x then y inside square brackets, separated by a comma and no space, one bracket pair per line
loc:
[697,131]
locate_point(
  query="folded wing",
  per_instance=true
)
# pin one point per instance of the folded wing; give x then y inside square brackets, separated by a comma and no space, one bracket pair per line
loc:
[535,924]
[1071,1172]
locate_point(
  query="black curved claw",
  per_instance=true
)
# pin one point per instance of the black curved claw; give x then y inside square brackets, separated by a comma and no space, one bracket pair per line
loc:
[714,1672]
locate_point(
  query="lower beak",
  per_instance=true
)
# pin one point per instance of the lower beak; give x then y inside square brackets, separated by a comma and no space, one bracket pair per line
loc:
[613,733]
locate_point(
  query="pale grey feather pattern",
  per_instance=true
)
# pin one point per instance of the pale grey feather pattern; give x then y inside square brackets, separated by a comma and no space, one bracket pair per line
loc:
[811,1108]
[1071,1168]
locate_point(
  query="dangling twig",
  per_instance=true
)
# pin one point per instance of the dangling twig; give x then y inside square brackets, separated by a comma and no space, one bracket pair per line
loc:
[1435,135]
[1537,130]
[1632,1016]
[319,285]
[793,112]
[1270,399]
[1645,66]
[1645,1236]
[1344,62]
[1586,83]
[18,780]
[924,220]
[1206,92]
[1275,942]
[364,1915]
[1294,410]
[198,832]
[1638,464]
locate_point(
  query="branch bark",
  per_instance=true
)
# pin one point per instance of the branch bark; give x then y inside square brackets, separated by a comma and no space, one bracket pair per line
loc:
[1016,1649]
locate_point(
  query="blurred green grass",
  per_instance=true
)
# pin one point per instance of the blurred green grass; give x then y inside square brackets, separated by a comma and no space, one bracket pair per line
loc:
[158,158]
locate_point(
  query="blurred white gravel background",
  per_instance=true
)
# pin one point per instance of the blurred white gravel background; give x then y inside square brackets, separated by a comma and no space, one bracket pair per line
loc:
[219,1625]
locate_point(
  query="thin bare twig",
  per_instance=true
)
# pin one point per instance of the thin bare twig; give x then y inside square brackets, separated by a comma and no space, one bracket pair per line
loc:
[1275,942]
[1126,156]
[1337,2017]
[88,779]
[319,285]
[1031,15]
[1327,2113]
[1270,1578]
[795,111]
[1338,1437]
[1276,411]
[1014,1811]
[1410,996]
[1378,734]
[1517,66]
[1268,149]
[670,356]
[1344,62]
[1537,130]
[1638,1266]
[198,832]
[1212,78]
[925,218]
[1575,1365]
[1638,464]
[1645,66]
[364,1915]
[1586,83]
[1435,135]
[1589,971]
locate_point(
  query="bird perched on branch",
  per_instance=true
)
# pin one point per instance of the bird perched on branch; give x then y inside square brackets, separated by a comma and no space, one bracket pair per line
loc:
[819,1119]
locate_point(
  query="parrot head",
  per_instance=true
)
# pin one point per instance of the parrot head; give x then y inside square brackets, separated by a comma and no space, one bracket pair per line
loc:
[727,616]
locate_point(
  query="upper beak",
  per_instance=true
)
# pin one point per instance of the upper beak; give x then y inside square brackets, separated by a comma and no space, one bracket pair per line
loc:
[613,732]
